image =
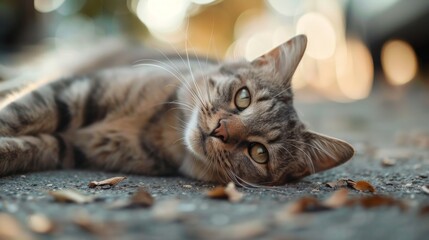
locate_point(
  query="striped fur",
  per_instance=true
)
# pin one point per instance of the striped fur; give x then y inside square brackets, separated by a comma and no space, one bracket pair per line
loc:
[158,118]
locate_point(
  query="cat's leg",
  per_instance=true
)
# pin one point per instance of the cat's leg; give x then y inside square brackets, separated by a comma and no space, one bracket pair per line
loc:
[33,153]
[31,124]
[57,107]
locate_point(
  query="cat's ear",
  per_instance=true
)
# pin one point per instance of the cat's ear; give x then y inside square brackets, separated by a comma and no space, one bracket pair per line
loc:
[285,58]
[325,152]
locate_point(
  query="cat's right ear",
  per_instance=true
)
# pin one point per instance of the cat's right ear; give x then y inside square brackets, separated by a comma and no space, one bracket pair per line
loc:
[285,58]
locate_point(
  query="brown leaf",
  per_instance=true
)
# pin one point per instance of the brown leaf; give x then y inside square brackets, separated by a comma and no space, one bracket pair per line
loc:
[424,210]
[425,189]
[337,199]
[84,222]
[229,192]
[376,201]
[233,194]
[306,204]
[338,183]
[110,182]
[166,211]
[388,162]
[11,229]
[363,186]
[39,223]
[243,230]
[217,193]
[68,195]
[141,198]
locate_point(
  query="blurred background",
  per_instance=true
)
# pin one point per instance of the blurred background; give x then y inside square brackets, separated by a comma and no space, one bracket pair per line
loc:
[355,46]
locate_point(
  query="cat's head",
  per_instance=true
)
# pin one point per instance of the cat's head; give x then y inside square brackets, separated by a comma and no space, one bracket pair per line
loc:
[244,127]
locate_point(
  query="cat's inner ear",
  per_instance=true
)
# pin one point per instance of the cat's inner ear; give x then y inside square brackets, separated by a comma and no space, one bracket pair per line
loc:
[285,58]
[326,152]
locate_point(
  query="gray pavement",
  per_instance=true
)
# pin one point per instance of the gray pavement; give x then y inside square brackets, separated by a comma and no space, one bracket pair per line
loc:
[379,127]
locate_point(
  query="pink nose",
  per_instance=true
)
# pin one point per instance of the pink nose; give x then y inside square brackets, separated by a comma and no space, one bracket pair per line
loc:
[221,131]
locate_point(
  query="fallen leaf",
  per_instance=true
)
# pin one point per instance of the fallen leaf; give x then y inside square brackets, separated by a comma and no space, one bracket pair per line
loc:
[141,198]
[363,186]
[107,182]
[166,211]
[68,195]
[84,222]
[376,201]
[338,183]
[337,199]
[388,162]
[39,223]
[424,210]
[229,192]
[233,194]
[243,230]
[425,189]
[306,204]
[217,193]
[11,229]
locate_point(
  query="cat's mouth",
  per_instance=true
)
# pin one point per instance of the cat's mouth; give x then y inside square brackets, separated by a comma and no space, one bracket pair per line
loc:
[199,140]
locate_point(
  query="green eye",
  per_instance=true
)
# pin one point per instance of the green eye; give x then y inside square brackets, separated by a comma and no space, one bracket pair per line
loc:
[242,99]
[258,153]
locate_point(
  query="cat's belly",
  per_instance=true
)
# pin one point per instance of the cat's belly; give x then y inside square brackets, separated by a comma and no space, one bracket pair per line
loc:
[142,131]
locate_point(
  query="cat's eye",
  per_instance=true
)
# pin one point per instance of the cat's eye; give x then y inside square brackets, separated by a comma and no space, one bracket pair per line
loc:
[258,153]
[242,99]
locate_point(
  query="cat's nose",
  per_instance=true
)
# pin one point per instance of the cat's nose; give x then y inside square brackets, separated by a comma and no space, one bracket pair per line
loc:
[221,131]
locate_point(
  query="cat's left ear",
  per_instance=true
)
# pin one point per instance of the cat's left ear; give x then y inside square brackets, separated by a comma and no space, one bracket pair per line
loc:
[326,152]
[285,58]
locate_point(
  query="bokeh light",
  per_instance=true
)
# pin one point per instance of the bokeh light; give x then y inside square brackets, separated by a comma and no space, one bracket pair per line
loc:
[321,34]
[286,7]
[399,62]
[355,80]
[45,6]
[162,16]
[203,2]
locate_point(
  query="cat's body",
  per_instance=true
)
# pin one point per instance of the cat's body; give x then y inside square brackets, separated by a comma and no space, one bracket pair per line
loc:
[215,122]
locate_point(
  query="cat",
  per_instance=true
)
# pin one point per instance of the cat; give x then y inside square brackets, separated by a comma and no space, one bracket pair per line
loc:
[212,121]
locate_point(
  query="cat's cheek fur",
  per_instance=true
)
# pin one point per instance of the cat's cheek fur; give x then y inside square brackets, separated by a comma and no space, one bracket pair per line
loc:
[192,136]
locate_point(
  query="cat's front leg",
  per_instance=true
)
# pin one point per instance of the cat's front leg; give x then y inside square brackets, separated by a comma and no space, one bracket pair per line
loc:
[33,153]
[56,107]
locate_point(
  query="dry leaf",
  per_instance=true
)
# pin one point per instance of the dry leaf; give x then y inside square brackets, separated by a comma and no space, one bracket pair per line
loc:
[424,210]
[339,183]
[217,192]
[11,229]
[243,230]
[83,221]
[306,204]
[425,189]
[233,194]
[376,201]
[69,195]
[141,198]
[39,223]
[107,182]
[363,186]
[388,162]
[337,199]
[229,192]
[166,211]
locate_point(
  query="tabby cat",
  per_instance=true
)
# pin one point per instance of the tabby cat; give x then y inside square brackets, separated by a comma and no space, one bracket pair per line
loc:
[220,122]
